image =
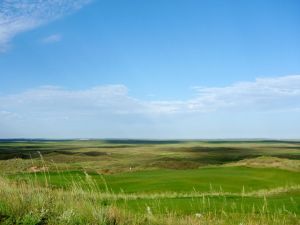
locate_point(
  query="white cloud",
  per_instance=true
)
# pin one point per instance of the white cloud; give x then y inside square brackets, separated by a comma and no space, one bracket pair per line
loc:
[55,100]
[262,94]
[52,39]
[112,112]
[17,16]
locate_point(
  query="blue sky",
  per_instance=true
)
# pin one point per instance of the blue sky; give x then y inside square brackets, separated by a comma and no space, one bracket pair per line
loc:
[150,69]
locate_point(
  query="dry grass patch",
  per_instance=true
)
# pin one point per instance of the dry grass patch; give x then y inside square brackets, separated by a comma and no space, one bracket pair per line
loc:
[269,162]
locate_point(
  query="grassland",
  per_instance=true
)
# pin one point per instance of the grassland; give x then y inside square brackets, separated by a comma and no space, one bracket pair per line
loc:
[149,182]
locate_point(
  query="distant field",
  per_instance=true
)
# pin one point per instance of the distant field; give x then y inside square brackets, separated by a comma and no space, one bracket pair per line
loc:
[150,182]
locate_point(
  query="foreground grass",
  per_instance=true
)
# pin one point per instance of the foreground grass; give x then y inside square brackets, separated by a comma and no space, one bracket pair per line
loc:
[143,183]
[30,203]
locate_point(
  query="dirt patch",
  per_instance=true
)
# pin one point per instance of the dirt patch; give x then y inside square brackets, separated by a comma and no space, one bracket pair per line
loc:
[35,169]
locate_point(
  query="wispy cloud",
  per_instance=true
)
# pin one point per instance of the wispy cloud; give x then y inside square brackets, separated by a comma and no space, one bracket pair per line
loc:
[17,16]
[52,38]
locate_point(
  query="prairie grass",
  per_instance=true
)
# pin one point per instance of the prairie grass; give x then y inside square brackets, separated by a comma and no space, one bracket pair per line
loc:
[30,203]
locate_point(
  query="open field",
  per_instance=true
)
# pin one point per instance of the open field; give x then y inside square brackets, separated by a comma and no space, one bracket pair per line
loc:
[149,182]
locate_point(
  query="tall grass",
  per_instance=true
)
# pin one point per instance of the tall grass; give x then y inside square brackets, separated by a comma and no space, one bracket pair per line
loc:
[28,202]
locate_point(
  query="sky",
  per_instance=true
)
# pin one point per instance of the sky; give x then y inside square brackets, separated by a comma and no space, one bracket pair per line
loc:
[155,69]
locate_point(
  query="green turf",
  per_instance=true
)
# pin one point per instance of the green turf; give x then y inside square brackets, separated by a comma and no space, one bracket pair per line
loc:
[288,202]
[228,179]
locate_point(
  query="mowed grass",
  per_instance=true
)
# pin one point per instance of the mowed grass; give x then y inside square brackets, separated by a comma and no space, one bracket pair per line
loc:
[187,192]
[218,179]
[281,204]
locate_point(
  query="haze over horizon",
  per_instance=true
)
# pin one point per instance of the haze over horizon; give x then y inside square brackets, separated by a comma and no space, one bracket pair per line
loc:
[150,69]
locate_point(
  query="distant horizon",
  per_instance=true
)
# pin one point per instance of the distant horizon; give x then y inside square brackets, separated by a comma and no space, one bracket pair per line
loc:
[148,139]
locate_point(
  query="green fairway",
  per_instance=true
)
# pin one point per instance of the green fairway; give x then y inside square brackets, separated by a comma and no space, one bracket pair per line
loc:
[227,179]
[288,202]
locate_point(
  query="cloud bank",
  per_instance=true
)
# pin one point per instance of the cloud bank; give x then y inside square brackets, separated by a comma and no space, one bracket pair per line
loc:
[17,16]
[112,105]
